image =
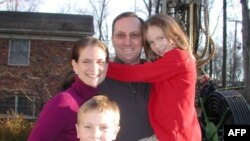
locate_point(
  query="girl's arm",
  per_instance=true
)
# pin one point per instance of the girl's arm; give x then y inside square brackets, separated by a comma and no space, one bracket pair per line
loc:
[157,71]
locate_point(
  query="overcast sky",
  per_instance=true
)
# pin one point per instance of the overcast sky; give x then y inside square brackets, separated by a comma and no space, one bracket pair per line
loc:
[116,7]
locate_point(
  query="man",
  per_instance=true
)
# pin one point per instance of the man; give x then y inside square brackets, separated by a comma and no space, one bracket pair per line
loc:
[132,98]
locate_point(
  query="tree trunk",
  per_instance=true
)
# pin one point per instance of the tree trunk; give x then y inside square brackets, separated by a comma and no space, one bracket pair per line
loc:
[246,48]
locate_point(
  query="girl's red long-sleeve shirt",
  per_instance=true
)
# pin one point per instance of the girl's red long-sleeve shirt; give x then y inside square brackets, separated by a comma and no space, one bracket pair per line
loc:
[171,106]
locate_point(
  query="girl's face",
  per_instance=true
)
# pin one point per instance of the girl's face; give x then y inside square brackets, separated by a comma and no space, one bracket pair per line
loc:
[97,126]
[91,67]
[158,41]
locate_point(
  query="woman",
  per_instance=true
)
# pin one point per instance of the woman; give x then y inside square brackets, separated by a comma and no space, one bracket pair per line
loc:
[172,72]
[57,120]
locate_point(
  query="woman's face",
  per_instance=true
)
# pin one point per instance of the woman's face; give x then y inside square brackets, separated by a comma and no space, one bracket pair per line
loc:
[158,41]
[91,67]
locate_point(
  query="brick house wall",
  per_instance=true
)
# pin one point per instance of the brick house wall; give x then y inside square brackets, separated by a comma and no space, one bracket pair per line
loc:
[26,88]
[49,60]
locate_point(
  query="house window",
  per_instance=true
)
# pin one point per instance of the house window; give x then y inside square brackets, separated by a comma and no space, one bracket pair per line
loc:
[19,52]
[7,103]
[19,104]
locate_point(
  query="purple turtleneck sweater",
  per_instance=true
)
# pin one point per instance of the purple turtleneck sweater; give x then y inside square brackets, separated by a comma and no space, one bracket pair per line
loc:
[57,120]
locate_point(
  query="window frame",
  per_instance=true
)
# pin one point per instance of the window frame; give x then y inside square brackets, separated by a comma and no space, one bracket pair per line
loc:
[10,55]
[17,106]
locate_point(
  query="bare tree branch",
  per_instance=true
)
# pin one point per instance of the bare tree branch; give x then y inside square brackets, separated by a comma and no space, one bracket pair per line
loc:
[100,15]
[21,5]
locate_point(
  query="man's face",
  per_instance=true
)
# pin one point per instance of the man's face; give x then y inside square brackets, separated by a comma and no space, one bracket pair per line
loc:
[127,39]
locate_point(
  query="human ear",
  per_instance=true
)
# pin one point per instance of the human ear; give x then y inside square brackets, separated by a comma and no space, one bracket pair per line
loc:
[77,131]
[116,130]
[74,65]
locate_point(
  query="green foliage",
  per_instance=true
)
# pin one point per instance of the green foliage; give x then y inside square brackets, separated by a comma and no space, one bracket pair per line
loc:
[13,127]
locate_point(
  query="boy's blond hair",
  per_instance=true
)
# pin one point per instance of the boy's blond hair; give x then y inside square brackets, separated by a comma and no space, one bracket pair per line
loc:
[99,103]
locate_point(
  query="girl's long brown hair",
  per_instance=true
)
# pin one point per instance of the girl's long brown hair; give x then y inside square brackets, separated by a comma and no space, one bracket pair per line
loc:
[171,30]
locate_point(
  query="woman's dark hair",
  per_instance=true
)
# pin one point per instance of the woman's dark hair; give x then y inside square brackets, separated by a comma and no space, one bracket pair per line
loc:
[82,44]
[68,81]
[85,42]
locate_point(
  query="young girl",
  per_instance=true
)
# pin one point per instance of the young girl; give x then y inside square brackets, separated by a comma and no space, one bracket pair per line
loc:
[172,72]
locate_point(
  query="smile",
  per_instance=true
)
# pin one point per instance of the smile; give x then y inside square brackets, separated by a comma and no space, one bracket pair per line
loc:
[93,75]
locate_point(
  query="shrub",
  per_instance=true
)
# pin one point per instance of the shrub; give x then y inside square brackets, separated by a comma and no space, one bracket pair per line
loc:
[13,127]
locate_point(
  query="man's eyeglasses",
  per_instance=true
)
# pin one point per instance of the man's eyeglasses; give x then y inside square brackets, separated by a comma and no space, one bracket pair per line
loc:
[134,35]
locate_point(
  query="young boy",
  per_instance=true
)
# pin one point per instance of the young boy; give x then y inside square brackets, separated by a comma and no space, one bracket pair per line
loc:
[98,118]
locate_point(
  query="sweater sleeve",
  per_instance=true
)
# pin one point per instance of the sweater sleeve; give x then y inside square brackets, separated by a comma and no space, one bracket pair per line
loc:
[51,120]
[151,72]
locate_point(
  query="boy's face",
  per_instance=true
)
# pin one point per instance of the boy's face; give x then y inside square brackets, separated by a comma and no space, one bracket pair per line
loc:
[97,126]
